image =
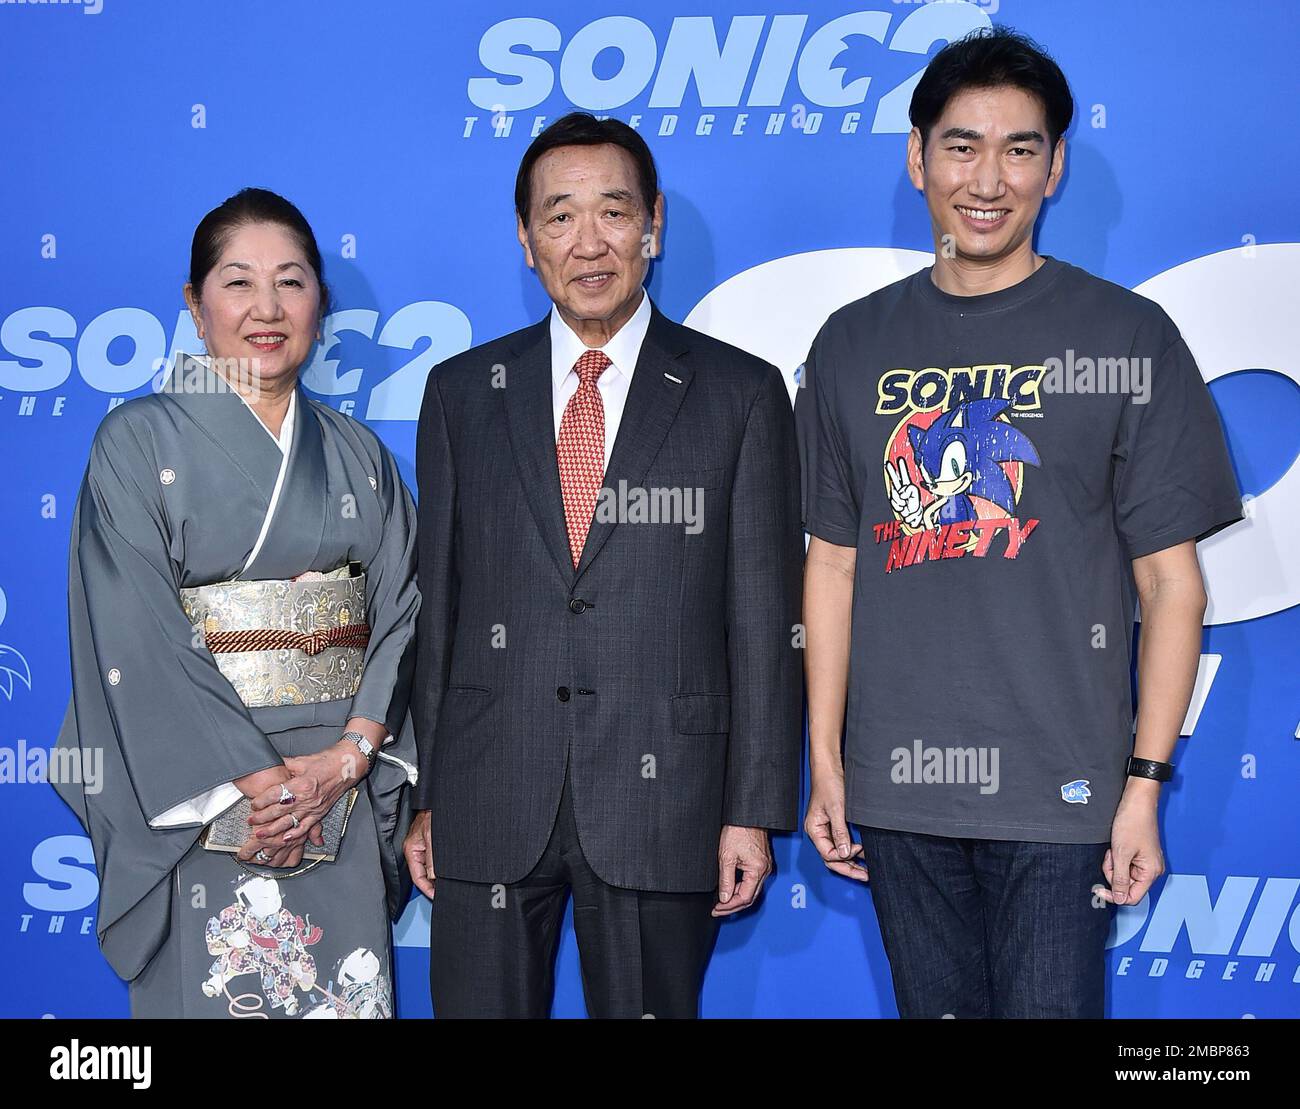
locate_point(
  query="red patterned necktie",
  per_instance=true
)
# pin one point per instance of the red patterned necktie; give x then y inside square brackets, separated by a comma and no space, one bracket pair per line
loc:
[580,450]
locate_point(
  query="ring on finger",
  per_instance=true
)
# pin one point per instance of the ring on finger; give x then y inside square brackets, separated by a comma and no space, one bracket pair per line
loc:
[286,797]
[295,820]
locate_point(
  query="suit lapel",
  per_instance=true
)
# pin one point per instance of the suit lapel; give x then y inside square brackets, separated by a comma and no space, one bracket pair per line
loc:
[652,403]
[530,423]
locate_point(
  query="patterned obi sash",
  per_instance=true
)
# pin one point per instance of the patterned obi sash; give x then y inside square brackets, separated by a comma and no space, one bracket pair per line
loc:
[296,642]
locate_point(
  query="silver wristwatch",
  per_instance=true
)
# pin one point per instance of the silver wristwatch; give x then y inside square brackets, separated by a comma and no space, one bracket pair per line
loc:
[363,745]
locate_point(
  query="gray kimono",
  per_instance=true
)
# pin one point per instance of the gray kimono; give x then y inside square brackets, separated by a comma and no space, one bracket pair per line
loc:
[176,495]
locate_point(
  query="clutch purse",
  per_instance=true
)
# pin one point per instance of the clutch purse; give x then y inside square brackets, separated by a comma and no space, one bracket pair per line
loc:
[230,831]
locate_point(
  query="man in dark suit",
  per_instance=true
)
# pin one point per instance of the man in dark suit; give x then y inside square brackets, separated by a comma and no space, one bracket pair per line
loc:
[607,698]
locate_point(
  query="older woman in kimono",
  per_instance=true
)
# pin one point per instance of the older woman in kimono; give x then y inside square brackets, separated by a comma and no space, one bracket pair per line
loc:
[242,603]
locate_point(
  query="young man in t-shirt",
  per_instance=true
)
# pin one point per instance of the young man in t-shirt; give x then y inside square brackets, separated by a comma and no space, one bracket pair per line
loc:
[1001,452]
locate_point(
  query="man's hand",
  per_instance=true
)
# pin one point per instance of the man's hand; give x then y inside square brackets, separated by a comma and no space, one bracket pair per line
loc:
[746,850]
[1172,595]
[1134,859]
[828,829]
[418,849]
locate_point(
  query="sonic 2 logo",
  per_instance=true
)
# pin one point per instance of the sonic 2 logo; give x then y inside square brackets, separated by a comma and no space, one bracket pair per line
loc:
[431,330]
[514,52]
[954,465]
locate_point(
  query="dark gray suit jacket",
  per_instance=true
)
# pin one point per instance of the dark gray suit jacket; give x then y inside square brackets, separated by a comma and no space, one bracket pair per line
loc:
[663,672]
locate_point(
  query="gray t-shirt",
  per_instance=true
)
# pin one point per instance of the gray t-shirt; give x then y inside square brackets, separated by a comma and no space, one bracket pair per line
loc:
[998,461]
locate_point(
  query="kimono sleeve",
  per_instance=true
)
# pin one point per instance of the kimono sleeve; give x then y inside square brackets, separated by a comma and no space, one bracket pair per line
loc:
[1173,478]
[136,662]
[830,506]
[392,606]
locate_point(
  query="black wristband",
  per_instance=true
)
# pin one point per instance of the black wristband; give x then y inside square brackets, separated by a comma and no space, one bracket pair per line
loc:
[1150,769]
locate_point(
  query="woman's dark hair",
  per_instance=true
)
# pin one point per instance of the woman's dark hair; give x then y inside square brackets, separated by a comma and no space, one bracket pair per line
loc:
[246,207]
[985,59]
[584,129]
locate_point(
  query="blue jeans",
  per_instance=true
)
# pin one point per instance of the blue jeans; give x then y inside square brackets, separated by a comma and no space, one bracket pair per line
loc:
[990,928]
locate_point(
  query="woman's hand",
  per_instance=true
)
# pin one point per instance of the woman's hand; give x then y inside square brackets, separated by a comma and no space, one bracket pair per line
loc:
[314,784]
[273,854]
[250,785]
[261,783]
[294,798]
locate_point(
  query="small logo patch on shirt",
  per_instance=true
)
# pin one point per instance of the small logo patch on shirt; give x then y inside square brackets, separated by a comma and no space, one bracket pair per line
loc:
[1076,792]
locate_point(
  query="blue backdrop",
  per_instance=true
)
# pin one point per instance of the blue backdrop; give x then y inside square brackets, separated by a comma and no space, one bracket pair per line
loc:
[397,126]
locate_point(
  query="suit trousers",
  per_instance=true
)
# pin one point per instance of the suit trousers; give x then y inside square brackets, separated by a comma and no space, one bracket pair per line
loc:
[492,946]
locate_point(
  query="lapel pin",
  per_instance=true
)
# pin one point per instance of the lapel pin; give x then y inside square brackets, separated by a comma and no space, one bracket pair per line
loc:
[674,380]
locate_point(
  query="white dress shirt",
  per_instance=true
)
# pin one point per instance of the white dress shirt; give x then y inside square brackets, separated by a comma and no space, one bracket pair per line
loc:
[622,350]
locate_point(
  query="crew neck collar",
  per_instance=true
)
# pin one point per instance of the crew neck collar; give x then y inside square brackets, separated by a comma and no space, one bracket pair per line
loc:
[1013,295]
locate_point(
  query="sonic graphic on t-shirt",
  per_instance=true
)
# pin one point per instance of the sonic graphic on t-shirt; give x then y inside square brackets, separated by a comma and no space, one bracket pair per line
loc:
[954,474]
[959,456]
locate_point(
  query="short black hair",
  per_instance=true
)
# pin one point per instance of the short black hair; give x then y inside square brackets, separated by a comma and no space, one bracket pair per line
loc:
[246,207]
[584,129]
[985,59]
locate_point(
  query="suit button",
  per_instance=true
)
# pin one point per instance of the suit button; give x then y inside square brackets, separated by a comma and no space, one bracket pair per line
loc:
[577,606]
[562,693]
